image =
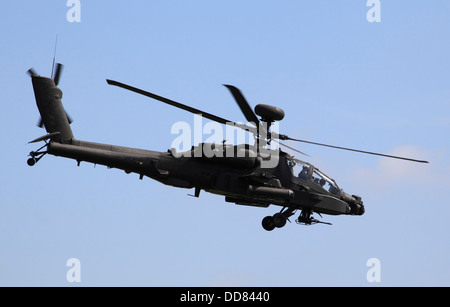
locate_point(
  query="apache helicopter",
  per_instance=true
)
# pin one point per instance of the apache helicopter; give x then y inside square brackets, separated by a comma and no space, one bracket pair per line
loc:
[238,172]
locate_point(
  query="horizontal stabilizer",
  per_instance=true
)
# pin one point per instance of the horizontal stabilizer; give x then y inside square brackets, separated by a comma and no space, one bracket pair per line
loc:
[45,137]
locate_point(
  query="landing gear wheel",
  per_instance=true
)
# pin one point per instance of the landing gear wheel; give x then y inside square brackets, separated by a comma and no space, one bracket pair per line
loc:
[268,223]
[31,161]
[279,220]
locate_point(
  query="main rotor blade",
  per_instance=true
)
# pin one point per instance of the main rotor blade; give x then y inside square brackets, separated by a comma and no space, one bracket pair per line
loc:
[291,148]
[181,106]
[357,150]
[243,104]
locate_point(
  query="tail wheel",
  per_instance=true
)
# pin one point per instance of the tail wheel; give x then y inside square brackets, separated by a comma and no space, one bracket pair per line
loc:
[37,155]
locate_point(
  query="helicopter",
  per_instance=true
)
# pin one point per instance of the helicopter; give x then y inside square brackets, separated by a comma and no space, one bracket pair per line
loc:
[250,175]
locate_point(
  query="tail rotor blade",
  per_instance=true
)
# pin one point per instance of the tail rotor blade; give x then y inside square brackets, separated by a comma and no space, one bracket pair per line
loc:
[31,72]
[40,123]
[69,118]
[58,72]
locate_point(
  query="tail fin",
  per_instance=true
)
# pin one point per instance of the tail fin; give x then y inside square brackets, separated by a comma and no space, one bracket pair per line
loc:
[48,100]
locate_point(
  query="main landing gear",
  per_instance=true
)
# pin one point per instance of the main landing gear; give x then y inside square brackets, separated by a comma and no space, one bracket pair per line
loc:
[278,220]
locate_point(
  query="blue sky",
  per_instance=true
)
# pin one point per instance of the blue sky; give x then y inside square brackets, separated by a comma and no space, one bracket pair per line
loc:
[340,79]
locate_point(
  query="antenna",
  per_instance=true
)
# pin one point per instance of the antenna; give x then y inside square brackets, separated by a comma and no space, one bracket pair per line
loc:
[54,55]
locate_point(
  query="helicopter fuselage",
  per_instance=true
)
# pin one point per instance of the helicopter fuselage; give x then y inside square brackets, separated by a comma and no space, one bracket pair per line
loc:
[241,180]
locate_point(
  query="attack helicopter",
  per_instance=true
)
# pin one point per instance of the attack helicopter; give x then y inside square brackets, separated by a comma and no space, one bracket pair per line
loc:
[251,175]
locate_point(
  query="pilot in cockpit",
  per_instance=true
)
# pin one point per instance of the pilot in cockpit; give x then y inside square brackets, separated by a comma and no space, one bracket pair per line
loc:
[304,173]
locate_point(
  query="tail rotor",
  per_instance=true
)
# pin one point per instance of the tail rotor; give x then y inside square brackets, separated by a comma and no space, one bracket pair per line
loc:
[56,76]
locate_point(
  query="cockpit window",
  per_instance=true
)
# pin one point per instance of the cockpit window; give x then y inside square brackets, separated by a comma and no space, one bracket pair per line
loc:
[299,169]
[325,182]
[308,172]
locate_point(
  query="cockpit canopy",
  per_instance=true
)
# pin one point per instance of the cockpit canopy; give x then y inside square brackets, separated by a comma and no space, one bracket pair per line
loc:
[307,172]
